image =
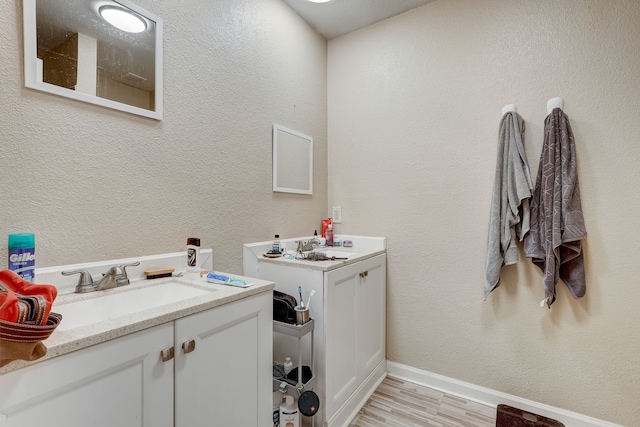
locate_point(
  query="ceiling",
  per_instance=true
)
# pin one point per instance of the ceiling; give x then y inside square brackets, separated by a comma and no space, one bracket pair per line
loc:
[339,17]
[58,19]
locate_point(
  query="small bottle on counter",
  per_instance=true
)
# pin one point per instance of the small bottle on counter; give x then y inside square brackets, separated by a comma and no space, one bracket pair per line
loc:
[329,235]
[275,246]
[193,254]
[288,365]
[322,240]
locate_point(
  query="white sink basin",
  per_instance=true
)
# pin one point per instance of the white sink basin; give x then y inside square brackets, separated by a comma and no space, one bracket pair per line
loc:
[101,308]
[337,253]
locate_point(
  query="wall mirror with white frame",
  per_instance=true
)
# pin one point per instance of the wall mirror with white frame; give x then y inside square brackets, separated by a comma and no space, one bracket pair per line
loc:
[292,161]
[103,52]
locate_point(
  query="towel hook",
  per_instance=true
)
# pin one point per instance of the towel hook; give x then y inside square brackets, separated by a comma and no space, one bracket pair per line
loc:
[554,103]
[509,108]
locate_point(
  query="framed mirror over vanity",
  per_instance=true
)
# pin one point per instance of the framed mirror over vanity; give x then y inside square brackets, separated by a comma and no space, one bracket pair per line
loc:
[103,52]
[292,161]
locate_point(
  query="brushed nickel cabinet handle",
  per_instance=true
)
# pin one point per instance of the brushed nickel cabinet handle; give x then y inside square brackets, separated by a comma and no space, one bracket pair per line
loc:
[167,354]
[188,346]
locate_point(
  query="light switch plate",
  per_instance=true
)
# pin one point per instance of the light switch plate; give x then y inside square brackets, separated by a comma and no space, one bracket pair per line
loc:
[336,218]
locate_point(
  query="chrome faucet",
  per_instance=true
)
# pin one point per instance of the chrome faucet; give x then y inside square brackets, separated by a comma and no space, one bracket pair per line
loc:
[114,277]
[307,246]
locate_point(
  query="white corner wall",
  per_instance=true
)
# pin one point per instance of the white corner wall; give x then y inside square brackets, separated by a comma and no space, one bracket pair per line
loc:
[96,184]
[414,108]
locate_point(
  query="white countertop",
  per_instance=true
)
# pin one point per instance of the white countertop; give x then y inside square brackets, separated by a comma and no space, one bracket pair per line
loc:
[65,341]
[363,247]
[324,265]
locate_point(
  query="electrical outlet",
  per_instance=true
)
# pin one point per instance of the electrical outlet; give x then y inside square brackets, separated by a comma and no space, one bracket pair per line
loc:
[336,218]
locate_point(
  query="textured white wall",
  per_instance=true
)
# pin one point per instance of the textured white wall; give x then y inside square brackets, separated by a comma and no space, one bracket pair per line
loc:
[414,108]
[97,184]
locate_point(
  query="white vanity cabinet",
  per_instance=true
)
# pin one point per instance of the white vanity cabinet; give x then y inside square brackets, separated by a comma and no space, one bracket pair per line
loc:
[121,382]
[222,376]
[349,310]
[227,379]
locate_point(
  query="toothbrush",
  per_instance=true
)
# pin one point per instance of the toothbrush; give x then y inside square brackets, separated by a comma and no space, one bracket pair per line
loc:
[300,292]
[313,291]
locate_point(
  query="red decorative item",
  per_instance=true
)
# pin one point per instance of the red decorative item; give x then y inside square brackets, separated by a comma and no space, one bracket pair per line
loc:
[24,302]
[25,317]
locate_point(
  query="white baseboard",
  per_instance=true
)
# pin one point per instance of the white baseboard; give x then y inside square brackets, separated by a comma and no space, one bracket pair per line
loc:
[491,397]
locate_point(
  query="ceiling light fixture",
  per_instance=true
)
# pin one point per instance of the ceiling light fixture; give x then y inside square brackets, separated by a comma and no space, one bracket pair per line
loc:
[123,19]
[319,1]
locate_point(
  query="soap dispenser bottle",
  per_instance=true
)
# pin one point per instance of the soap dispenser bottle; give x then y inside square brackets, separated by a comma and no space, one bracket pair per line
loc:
[329,234]
[289,415]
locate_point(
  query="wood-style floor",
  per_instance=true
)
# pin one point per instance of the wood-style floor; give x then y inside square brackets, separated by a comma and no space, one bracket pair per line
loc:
[397,403]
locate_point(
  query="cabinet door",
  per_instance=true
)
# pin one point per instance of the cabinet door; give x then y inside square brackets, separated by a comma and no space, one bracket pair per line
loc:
[355,327]
[341,322]
[371,332]
[223,372]
[122,382]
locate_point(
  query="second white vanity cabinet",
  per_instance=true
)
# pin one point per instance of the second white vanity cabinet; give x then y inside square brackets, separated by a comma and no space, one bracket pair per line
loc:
[220,375]
[349,309]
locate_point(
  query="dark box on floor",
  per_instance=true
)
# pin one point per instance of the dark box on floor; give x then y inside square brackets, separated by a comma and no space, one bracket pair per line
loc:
[508,416]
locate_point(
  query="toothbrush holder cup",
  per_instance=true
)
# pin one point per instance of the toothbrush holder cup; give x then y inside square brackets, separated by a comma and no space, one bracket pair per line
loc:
[302,315]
